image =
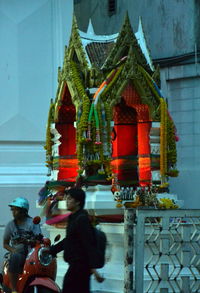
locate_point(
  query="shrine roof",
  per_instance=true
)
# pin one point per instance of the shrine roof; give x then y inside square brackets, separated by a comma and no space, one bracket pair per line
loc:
[98,47]
[140,36]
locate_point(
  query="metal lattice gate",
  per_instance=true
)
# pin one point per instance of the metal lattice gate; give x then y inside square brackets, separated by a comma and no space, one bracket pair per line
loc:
[165,245]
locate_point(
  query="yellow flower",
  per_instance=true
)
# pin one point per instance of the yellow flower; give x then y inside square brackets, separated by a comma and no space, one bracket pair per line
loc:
[167,203]
[164,185]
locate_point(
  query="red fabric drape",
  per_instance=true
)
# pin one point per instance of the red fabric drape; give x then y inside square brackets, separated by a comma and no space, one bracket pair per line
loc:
[144,161]
[68,163]
[68,139]
[124,155]
[131,148]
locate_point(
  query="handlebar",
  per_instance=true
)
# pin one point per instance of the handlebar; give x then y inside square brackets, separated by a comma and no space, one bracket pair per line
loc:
[28,239]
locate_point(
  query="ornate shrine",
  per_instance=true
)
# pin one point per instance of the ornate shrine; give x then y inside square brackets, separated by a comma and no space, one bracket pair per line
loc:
[109,123]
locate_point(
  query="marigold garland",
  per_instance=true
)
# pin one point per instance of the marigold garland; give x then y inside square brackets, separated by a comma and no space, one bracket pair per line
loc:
[149,81]
[171,151]
[82,117]
[49,143]
[89,153]
[163,139]
[168,153]
[93,137]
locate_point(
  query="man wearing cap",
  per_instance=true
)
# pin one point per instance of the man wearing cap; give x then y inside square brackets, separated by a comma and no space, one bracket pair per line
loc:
[15,231]
[78,245]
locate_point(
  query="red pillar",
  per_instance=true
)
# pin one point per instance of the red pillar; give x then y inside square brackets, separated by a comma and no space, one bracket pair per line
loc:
[144,161]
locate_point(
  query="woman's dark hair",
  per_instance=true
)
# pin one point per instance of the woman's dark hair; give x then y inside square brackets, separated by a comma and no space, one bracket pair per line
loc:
[78,194]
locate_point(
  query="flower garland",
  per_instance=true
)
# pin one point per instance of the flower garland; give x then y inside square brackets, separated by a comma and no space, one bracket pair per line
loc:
[82,114]
[168,153]
[150,82]
[171,152]
[163,139]
[57,100]
[168,132]
[96,141]
[105,132]
[49,143]
[90,150]
[89,126]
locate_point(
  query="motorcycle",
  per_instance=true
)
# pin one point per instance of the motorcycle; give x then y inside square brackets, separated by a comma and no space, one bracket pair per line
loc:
[39,271]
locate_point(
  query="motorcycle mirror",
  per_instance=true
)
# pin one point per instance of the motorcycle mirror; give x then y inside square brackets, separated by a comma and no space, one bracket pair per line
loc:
[36,220]
[57,238]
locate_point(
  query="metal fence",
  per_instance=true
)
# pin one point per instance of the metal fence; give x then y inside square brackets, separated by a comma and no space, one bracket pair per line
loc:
[162,251]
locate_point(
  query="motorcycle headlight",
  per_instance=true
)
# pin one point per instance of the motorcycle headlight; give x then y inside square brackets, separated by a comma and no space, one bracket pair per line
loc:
[44,257]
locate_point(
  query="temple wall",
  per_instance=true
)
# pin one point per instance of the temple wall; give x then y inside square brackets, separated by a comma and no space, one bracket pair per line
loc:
[181,84]
[171,27]
[32,37]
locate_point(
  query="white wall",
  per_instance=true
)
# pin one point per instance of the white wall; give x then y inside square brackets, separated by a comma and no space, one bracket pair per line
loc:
[32,37]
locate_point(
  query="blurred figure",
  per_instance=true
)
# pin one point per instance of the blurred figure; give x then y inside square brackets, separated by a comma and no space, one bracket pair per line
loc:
[78,245]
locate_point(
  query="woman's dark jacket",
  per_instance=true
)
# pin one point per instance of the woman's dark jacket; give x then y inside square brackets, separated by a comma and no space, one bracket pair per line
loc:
[79,243]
